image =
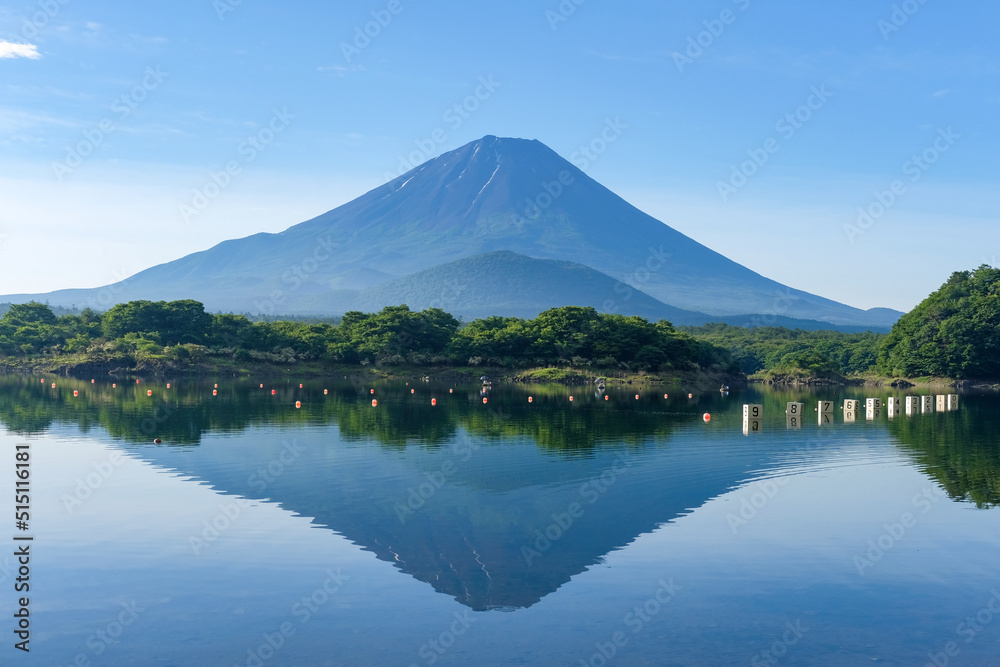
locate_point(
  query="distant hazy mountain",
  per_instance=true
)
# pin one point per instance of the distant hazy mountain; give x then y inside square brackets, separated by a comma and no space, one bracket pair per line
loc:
[505,283]
[491,195]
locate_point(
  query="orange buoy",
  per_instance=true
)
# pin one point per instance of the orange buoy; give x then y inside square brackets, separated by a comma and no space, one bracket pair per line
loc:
[215,392]
[300,386]
[637,397]
[92,381]
[451,391]
[137,380]
[374,403]
[216,386]
[53,385]
[373,391]
[531,399]
[666,396]
[157,441]
[273,392]
[114,385]
[434,401]
[76,393]
[607,398]
[149,392]
[484,400]
[326,391]
[43,380]
[262,386]
[412,390]
[298,404]
[168,385]
[707,417]
[570,399]
[690,395]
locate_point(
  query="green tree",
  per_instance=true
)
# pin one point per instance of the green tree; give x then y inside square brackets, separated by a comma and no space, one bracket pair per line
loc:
[29,313]
[954,332]
[171,323]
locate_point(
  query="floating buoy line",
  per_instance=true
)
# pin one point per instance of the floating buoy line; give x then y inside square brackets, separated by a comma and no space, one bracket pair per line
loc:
[706,417]
[434,401]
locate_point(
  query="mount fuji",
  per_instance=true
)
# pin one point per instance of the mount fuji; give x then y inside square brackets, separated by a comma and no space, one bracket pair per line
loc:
[507,223]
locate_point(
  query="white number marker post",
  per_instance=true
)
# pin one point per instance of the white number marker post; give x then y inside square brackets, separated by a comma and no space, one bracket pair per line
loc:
[824,410]
[752,414]
[895,407]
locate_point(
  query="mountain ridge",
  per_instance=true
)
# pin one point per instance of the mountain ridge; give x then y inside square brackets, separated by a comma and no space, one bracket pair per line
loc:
[493,194]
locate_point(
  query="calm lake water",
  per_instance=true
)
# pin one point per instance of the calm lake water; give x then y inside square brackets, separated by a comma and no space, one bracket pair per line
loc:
[625,531]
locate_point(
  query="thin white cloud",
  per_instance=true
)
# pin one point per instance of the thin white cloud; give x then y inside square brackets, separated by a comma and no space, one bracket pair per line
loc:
[342,70]
[13,120]
[15,50]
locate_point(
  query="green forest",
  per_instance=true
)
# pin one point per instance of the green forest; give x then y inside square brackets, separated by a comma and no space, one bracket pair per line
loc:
[954,333]
[150,335]
[774,352]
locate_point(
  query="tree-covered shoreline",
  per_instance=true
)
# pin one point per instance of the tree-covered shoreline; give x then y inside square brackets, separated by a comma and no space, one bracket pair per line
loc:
[145,336]
[953,336]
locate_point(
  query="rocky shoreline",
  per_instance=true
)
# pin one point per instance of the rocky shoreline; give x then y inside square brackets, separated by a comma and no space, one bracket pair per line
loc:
[896,383]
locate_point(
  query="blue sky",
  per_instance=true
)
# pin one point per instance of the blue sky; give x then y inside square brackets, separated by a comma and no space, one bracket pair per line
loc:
[113,114]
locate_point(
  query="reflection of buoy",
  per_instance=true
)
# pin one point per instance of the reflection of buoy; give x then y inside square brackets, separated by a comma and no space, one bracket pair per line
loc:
[298,404]
[215,392]
[273,392]
[157,441]
[707,417]
[531,399]
[484,400]
[374,403]
[149,392]
[76,393]
[216,386]
[434,401]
